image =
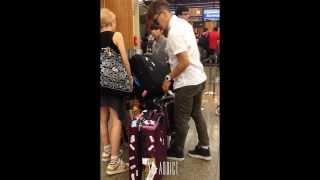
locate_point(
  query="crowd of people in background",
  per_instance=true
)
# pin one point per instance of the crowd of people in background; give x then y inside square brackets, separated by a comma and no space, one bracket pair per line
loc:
[209,45]
[208,41]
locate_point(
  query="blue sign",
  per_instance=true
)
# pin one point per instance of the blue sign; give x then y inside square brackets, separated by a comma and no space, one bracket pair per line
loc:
[211,14]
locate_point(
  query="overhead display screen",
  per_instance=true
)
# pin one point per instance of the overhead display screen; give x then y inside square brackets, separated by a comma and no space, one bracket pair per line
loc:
[211,14]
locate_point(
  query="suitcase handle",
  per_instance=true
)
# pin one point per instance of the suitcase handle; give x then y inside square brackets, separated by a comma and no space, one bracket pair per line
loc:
[170,93]
[169,96]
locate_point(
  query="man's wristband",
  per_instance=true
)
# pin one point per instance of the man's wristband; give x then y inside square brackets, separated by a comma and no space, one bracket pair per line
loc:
[168,77]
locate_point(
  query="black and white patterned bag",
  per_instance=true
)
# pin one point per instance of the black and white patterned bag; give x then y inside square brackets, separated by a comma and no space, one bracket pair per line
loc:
[112,72]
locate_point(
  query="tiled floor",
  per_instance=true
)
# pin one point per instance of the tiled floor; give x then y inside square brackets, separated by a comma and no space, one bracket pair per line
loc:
[193,169]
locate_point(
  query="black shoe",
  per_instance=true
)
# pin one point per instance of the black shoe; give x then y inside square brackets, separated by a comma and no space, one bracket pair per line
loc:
[175,155]
[200,153]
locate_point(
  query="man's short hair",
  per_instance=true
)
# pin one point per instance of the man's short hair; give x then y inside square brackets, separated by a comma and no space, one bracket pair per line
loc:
[156,7]
[181,9]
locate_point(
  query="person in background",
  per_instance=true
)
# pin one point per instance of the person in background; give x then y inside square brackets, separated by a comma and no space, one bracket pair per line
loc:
[160,43]
[189,81]
[203,44]
[183,12]
[213,38]
[197,34]
[203,39]
[112,105]
[150,41]
[144,43]
[205,32]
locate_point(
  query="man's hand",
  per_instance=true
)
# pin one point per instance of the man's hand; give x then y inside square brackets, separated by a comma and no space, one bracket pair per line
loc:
[166,85]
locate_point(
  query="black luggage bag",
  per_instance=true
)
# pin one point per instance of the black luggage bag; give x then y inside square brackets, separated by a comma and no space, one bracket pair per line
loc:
[150,73]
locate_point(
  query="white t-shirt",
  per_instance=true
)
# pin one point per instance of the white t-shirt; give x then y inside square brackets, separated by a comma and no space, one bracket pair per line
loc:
[181,38]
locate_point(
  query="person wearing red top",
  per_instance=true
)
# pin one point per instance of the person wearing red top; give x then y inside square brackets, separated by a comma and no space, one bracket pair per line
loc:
[213,38]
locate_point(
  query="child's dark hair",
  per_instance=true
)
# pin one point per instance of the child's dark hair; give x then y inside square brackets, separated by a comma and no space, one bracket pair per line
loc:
[155,27]
[181,9]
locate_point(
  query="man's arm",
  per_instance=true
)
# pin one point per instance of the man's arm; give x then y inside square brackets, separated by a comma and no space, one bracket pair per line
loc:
[179,47]
[183,63]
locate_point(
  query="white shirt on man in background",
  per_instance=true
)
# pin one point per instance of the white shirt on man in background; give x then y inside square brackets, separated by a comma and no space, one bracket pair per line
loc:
[180,39]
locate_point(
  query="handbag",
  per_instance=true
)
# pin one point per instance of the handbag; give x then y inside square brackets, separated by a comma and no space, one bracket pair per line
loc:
[113,75]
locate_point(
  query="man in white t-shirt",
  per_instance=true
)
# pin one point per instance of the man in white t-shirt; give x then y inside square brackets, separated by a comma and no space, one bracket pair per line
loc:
[189,81]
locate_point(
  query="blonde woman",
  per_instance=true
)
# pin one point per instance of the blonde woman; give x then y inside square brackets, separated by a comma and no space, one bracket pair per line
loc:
[112,105]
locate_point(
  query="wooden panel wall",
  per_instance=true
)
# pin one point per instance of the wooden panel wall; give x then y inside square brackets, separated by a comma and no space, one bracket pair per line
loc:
[124,13]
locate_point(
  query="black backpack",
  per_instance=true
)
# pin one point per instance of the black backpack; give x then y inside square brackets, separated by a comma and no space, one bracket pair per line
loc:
[203,41]
[149,73]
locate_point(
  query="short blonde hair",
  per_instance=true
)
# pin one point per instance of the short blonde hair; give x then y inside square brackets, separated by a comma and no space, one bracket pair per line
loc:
[107,17]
